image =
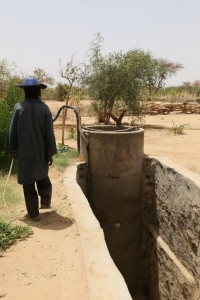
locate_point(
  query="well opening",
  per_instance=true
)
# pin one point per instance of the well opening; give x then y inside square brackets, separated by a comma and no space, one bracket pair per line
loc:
[110,128]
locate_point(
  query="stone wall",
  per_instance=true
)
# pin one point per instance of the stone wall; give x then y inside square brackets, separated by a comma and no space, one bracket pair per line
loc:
[171,230]
[171,239]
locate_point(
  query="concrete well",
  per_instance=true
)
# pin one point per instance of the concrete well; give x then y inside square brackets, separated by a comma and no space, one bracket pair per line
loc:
[114,159]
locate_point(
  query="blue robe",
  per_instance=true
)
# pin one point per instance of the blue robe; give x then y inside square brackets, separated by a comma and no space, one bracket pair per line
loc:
[31,136]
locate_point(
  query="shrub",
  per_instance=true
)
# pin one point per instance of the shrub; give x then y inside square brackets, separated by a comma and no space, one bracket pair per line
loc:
[178,129]
[9,234]
[65,156]
[11,97]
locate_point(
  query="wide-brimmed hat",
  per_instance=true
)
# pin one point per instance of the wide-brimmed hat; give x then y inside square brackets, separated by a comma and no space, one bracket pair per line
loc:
[32,82]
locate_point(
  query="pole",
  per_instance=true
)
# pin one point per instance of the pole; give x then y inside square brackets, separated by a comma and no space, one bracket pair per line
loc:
[4,192]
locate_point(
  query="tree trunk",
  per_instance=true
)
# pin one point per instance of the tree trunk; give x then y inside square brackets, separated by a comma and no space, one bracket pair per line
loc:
[64,115]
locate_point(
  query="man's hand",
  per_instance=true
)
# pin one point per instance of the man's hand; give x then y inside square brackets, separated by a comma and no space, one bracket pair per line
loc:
[50,161]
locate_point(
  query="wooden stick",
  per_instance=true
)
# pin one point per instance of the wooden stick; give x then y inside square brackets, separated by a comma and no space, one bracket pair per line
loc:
[4,192]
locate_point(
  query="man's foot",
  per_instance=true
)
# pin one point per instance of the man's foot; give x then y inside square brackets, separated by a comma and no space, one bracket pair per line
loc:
[45,206]
[36,218]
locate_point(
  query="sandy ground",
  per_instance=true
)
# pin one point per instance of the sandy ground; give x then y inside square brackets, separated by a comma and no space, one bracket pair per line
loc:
[159,138]
[183,149]
[49,264]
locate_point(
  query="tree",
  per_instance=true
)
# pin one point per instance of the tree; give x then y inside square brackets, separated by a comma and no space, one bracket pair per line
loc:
[157,71]
[196,88]
[6,72]
[113,80]
[42,76]
[123,79]
[188,86]
[61,91]
[71,73]
[11,97]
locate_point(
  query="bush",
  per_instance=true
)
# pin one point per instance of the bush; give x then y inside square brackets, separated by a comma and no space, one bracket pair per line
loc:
[9,234]
[65,156]
[178,129]
[5,115]
[11,97]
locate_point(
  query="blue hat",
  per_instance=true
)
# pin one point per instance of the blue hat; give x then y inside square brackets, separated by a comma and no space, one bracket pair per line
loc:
[32,82]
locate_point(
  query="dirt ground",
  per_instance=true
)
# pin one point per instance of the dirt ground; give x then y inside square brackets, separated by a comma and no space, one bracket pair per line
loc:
[49,264]
[159,137]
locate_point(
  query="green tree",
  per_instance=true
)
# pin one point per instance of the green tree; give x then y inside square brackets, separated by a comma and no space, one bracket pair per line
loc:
[187,85]
[157,71]
[61,91]
[7,70]
[123,79]
[113,80]
[196,88]
[11,97]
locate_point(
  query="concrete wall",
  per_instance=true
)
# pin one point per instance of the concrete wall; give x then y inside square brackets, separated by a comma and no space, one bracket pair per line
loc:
[116,160]
[171,232]
[104,280]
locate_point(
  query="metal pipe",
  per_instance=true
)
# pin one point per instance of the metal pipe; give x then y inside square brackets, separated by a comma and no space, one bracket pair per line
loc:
[78,122]
[86,141]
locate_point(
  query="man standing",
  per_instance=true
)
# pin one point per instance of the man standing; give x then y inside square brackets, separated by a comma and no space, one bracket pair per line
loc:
[32,142]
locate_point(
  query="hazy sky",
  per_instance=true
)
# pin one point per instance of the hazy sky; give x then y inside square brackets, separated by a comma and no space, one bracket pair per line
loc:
[38,33]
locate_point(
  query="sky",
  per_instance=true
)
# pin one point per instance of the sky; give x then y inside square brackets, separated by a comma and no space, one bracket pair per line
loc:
[38,33]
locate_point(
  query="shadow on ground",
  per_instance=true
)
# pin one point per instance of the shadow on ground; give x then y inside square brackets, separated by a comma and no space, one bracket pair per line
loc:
[49,220]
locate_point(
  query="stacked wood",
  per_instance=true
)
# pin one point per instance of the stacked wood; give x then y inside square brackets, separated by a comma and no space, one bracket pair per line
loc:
[155,108]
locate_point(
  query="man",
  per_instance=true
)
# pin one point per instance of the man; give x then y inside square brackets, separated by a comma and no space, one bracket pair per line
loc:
[32,142]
